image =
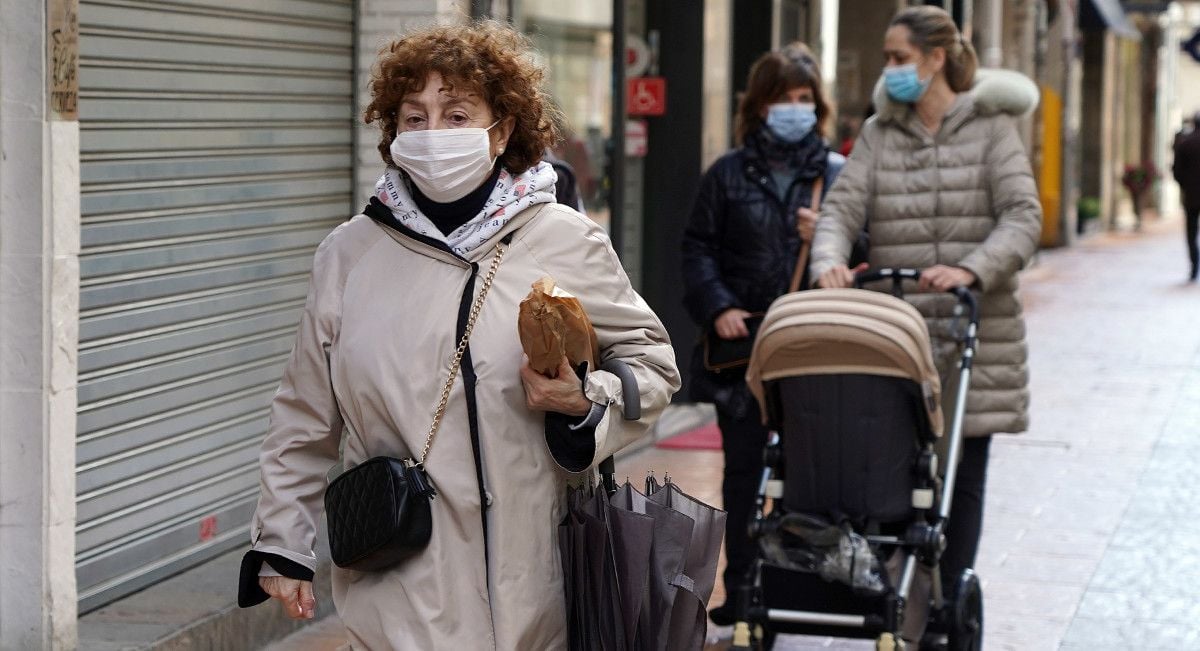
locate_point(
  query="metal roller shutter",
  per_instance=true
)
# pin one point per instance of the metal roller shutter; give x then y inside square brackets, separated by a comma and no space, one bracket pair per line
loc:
[216,153]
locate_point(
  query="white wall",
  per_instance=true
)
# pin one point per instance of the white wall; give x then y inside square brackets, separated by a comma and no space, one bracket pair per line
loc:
[39,305]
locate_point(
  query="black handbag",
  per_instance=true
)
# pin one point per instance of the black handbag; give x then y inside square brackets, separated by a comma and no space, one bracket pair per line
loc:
[731,354]
[734,354]
[379,512]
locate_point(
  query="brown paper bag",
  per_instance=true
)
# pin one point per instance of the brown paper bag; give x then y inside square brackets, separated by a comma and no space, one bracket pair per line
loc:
[552,323]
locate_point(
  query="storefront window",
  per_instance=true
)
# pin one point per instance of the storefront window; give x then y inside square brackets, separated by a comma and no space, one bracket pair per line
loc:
[575,40]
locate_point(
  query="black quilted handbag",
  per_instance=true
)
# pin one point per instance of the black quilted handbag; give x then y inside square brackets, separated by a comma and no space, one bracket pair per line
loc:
[379,512]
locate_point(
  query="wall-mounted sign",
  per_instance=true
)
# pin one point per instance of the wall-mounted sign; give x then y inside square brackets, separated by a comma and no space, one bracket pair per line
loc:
[637,55]
[646,96]
[637,138]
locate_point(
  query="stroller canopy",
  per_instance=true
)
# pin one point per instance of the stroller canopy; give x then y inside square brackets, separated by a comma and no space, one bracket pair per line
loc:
[833,331]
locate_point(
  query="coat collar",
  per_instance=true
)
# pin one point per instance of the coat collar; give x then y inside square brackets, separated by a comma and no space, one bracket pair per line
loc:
[994,91]
[429,247]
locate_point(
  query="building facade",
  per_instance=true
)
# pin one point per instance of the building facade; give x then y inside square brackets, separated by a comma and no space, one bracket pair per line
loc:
[169,167]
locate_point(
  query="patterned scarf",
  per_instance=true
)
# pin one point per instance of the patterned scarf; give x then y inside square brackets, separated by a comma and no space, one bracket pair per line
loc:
[510,196]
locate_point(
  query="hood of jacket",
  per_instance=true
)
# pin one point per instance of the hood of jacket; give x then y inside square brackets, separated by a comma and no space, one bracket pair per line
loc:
[995,90]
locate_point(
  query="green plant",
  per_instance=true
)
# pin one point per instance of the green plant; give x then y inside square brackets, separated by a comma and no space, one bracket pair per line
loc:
[1087,208]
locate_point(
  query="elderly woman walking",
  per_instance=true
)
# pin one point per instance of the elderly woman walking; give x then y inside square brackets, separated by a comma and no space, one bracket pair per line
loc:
[464,122]
[943,179]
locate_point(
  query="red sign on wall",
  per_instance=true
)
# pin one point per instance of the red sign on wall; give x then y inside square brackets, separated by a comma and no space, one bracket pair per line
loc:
[646,96]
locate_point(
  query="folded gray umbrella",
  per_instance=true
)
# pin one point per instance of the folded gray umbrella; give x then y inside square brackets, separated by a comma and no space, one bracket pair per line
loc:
[606,554]
[638,570]
[689,619]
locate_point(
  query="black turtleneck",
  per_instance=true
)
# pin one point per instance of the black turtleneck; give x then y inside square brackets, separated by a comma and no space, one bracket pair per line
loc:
[449,216]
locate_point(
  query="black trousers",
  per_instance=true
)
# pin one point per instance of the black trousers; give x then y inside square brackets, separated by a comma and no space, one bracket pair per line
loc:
[743,440]
[1192,217]
[966,512]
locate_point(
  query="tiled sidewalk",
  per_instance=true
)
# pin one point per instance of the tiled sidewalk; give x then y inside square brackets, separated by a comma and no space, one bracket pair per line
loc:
[1092,535]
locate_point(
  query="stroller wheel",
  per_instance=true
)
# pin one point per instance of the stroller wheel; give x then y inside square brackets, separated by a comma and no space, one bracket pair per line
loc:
[966,614]
[765,638]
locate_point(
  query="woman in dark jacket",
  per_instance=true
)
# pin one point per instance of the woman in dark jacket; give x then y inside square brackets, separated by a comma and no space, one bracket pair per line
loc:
[752,212]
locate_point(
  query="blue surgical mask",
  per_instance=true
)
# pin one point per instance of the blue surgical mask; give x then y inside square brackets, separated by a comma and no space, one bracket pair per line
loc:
[903,83]
[791,122]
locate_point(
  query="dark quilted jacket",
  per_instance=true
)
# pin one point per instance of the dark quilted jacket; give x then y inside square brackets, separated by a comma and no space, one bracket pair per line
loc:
[739,250]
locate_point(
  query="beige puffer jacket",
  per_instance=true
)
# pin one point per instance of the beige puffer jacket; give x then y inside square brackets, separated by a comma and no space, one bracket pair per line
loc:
[368,367]
[965,197]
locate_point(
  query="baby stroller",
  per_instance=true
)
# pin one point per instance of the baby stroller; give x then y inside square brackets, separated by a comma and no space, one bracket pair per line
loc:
[847,384]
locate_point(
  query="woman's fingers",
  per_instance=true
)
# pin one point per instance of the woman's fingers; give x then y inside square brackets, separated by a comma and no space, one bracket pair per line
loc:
[288,592]
[308,601]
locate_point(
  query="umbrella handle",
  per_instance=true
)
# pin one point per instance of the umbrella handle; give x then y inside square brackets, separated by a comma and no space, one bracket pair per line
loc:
[632,398]
[631,395]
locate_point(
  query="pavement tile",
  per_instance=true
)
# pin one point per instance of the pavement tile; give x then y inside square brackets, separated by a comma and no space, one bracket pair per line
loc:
[1011,600]
[1098,633]
[1148,606]
[1028,633]
[1064,542]
[1048,568]
[1170,570]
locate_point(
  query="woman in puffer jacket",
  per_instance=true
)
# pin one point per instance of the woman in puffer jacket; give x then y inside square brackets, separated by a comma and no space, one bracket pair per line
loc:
[740,250]
[942,176]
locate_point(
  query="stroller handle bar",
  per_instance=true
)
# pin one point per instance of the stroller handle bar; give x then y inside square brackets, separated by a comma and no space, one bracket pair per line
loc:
[898,275]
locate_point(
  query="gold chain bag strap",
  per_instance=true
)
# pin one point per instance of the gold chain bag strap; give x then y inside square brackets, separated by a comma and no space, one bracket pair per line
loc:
[379,512]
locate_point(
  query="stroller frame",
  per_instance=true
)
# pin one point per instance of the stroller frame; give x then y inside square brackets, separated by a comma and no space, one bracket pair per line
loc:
[923,542]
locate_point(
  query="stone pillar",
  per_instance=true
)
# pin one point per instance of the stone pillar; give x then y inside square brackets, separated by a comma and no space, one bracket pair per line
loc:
[39,313]
[990,23]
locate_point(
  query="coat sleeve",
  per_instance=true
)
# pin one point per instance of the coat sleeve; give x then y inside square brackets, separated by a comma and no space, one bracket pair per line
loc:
[844,211]
[578,254]
[301,444]
[706,295]
[1015,204]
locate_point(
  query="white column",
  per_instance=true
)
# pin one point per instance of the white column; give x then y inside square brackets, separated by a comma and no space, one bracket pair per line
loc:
[39,312]
[990,25]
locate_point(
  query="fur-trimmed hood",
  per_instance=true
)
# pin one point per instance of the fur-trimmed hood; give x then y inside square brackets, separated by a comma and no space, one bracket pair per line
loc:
[996,90]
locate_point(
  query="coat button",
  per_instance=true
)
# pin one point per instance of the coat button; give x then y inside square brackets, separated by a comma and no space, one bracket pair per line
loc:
[487,498]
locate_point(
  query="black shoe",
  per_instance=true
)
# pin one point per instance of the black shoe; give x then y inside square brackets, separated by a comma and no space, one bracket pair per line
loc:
[723,615]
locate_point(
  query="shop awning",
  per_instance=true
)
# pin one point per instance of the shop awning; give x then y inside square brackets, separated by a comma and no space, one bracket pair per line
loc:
[1107,14]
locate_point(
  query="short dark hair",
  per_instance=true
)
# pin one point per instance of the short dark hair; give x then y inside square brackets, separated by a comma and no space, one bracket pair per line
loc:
[774,74]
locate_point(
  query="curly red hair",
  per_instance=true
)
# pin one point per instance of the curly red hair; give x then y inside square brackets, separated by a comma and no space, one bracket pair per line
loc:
[486,57]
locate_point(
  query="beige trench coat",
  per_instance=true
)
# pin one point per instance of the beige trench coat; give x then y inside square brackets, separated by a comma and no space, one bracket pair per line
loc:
[965,197]
[368,366]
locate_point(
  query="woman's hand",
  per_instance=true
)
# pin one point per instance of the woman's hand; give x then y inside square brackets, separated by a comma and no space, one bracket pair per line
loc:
[732,324]
[561,394]
[295,595]
[806,223]
[940,278]
[840,276]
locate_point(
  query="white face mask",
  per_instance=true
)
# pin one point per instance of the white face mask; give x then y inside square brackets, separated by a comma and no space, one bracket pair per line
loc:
[446,164]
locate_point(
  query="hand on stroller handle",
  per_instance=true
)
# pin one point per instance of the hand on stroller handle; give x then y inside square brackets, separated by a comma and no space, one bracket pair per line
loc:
[899,274]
